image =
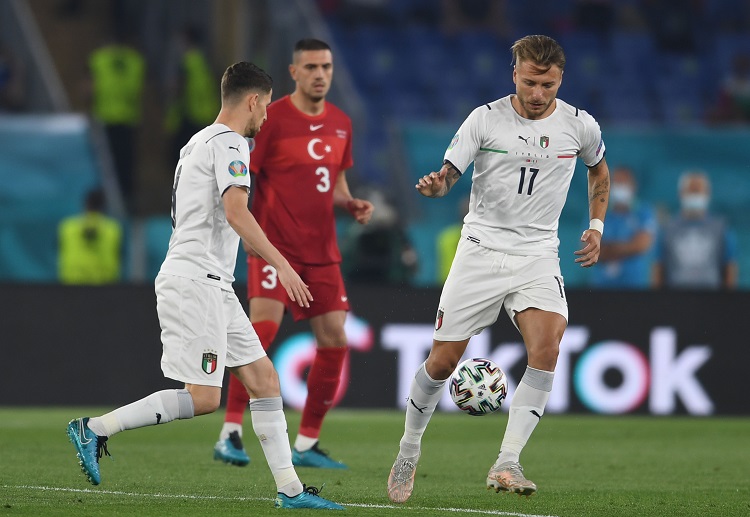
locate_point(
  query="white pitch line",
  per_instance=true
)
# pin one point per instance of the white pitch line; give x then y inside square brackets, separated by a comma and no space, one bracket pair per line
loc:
[268,499]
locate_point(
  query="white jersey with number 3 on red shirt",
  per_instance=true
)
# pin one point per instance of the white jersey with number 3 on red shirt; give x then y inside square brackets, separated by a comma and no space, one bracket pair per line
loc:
[203,245]
[522,172]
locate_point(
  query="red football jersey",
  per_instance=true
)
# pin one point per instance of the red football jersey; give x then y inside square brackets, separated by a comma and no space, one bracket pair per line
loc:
[297,160]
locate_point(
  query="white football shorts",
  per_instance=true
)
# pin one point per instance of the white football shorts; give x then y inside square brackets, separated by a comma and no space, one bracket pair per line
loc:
[203,330]
[482,280]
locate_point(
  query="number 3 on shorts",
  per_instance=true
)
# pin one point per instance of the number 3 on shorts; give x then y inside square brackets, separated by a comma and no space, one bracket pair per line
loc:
[271,280]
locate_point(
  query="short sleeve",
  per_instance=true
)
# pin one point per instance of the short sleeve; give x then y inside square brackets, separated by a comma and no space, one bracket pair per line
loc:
[347,161]
[592,143]
[730,246]
[648,221]
[231,156]
[467,141]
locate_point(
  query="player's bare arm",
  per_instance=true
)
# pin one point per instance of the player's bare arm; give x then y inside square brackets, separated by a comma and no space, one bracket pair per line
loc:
[598,177]
[244,223]
[438,184]
[360,209]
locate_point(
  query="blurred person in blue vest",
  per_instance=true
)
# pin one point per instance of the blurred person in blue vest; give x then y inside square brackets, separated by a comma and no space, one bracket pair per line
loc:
[90,245]
[625,258]
[697,250]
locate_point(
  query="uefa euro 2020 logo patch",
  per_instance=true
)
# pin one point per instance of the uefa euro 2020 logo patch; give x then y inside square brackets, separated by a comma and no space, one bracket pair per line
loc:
[453,142]
[238,168]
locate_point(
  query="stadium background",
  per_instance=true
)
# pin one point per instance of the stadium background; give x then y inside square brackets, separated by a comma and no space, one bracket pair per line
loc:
[407,81]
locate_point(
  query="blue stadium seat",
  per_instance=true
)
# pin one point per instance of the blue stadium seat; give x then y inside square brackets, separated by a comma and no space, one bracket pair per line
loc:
[157,231]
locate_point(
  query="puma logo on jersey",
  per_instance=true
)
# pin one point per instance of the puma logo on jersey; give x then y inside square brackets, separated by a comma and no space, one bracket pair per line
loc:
[315,128]
[235,148]
[525,140]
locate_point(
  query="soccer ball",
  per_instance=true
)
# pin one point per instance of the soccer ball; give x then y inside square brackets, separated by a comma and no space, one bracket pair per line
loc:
[478,386]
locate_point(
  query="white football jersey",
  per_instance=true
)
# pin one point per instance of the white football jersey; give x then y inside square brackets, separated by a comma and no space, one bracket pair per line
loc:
[203,245]
[522,172]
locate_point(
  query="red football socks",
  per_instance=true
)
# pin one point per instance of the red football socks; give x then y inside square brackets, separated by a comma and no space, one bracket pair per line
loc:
[322,383]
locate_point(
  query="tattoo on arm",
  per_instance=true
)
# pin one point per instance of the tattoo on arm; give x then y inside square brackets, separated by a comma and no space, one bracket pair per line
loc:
[452,175]
[599,190]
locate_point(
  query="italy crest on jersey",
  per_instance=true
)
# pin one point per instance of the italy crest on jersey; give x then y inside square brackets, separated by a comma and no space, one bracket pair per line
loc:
[238,168]
[544,141]
[210,360]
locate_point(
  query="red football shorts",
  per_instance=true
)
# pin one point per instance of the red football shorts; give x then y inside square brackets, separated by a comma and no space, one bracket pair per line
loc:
[325,283]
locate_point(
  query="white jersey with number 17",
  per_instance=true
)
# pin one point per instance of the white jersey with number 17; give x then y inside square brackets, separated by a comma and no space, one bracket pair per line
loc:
[522,172]
[203,245]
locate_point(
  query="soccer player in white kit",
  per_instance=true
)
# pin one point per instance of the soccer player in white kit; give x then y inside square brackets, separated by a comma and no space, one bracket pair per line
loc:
[204,328]
[524,148]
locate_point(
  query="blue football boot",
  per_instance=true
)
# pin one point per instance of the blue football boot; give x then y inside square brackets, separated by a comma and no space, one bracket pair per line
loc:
[309,498]
[89,448]
[231,450]
[315,457]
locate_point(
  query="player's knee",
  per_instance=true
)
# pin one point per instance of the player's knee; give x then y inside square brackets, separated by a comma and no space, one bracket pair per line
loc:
[544,357]
[266,383]
[440,367]
[205,403]
[332,338]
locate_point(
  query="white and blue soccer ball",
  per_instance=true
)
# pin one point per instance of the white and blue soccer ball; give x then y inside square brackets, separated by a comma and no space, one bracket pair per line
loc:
[478,386]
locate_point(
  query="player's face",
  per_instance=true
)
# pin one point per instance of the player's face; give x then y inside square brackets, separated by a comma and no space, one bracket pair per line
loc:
[258,114]
[312,70]
[536,89]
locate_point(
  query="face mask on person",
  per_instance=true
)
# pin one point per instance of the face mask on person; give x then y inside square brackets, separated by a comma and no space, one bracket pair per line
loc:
[695,202]
[621,195]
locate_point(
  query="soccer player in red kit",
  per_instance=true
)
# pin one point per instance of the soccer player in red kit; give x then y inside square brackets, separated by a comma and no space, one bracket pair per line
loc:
[299,161]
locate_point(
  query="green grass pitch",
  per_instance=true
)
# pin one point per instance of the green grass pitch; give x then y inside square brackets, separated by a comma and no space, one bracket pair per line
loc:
[583,465]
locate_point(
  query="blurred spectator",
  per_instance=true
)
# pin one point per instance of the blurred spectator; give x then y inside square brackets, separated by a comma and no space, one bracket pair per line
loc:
[447,241]
[697,250]
[471,15]
[90,245]
[674,23]
[193,92]
[625,258]
[734,96]
[12,87]
[594,16]
[358,12]
[117,77]
[379,252]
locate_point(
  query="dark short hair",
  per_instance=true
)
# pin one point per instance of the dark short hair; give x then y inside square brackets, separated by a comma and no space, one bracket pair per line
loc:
[542,51]
[310,44]
[242,78]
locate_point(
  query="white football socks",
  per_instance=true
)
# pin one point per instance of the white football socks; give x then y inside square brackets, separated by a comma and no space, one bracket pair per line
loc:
[229,427]
[270,427]
[424,396]
[304,443]
[158,408]
[526,410]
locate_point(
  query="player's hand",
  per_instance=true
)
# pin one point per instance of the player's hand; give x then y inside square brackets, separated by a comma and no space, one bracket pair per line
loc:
[360,209]
[433,183]
[295,287]
[589,254]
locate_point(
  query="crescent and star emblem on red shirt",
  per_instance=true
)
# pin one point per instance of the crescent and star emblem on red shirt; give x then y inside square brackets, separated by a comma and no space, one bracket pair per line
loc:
[311,149]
